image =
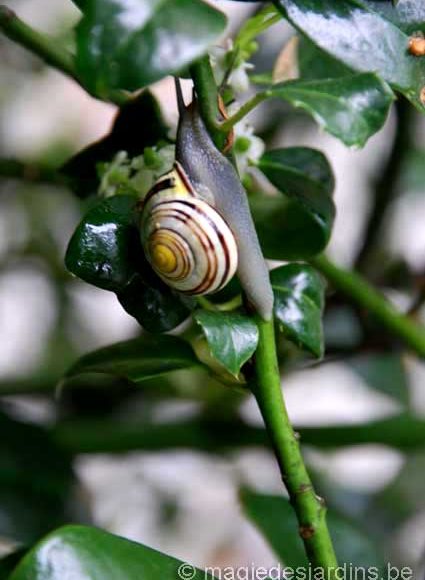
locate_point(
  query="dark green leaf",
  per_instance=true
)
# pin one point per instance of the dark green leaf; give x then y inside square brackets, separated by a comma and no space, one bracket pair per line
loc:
[314,63]
[138,359]
[130,45]
[275,518]
[299,224]
[351,108]
[83,552]
[299,298]
[36,481]
[154,305]
[384,372]
[100,251]
[361,38]
[137,125]
[232,337]
[105,251]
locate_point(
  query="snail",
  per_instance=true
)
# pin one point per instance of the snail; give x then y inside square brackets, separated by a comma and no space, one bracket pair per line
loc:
[196,225]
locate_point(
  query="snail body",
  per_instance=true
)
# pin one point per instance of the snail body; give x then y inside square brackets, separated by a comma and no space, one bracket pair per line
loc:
[196,225]
[186,241]
[210,170]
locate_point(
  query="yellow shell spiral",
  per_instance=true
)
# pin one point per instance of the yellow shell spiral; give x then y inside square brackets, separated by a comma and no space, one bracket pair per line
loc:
[186,241]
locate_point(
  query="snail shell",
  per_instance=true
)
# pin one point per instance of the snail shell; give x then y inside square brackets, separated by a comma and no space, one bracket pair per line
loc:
[186,241]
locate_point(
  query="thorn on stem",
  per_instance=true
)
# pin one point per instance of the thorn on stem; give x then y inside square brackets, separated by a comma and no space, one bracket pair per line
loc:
[307,532]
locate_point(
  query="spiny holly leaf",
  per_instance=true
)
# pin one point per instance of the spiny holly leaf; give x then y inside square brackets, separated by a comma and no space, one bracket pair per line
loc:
[232,337]
[299,299]
[105,251]
[360,35]
[90,553]
[138,359]
[137,125]
[275,518]
[129,45]
[352,108]
[299,223]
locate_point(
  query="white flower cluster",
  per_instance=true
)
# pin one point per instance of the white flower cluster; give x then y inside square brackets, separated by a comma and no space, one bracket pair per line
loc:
[136,175]
[248,148]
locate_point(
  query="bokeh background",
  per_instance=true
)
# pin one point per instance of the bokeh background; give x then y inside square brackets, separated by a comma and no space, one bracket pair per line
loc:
[183,502]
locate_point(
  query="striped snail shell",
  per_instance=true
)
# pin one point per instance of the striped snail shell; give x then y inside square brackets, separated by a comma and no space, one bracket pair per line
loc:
[186,241]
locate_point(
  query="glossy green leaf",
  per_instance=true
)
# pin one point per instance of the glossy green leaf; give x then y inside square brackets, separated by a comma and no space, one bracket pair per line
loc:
[314,63]
[409,15]
[36,481]
[385,373]
[275,518]
[105,251]
[137,125]
[352,108]
[100,249]
[83,552]
[363,39]
[232,337]
[153,304]
[129,45]
[138,359]
[299,299]
[298,224]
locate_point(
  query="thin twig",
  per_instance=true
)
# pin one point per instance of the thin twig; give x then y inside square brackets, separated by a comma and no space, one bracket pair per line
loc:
[47,49]
[361,293]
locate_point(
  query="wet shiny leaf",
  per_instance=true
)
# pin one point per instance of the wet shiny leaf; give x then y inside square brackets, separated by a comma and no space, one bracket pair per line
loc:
[299,299]
[138,359]
[352,108]
[365,38]
[299,223]
[232,337]
[129,45]
[83,552]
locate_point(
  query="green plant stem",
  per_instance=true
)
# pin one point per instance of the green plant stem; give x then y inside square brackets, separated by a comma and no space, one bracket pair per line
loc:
[46,48]
[14,169]
[208,98]
[361,293]
[246,108]
[309,508]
